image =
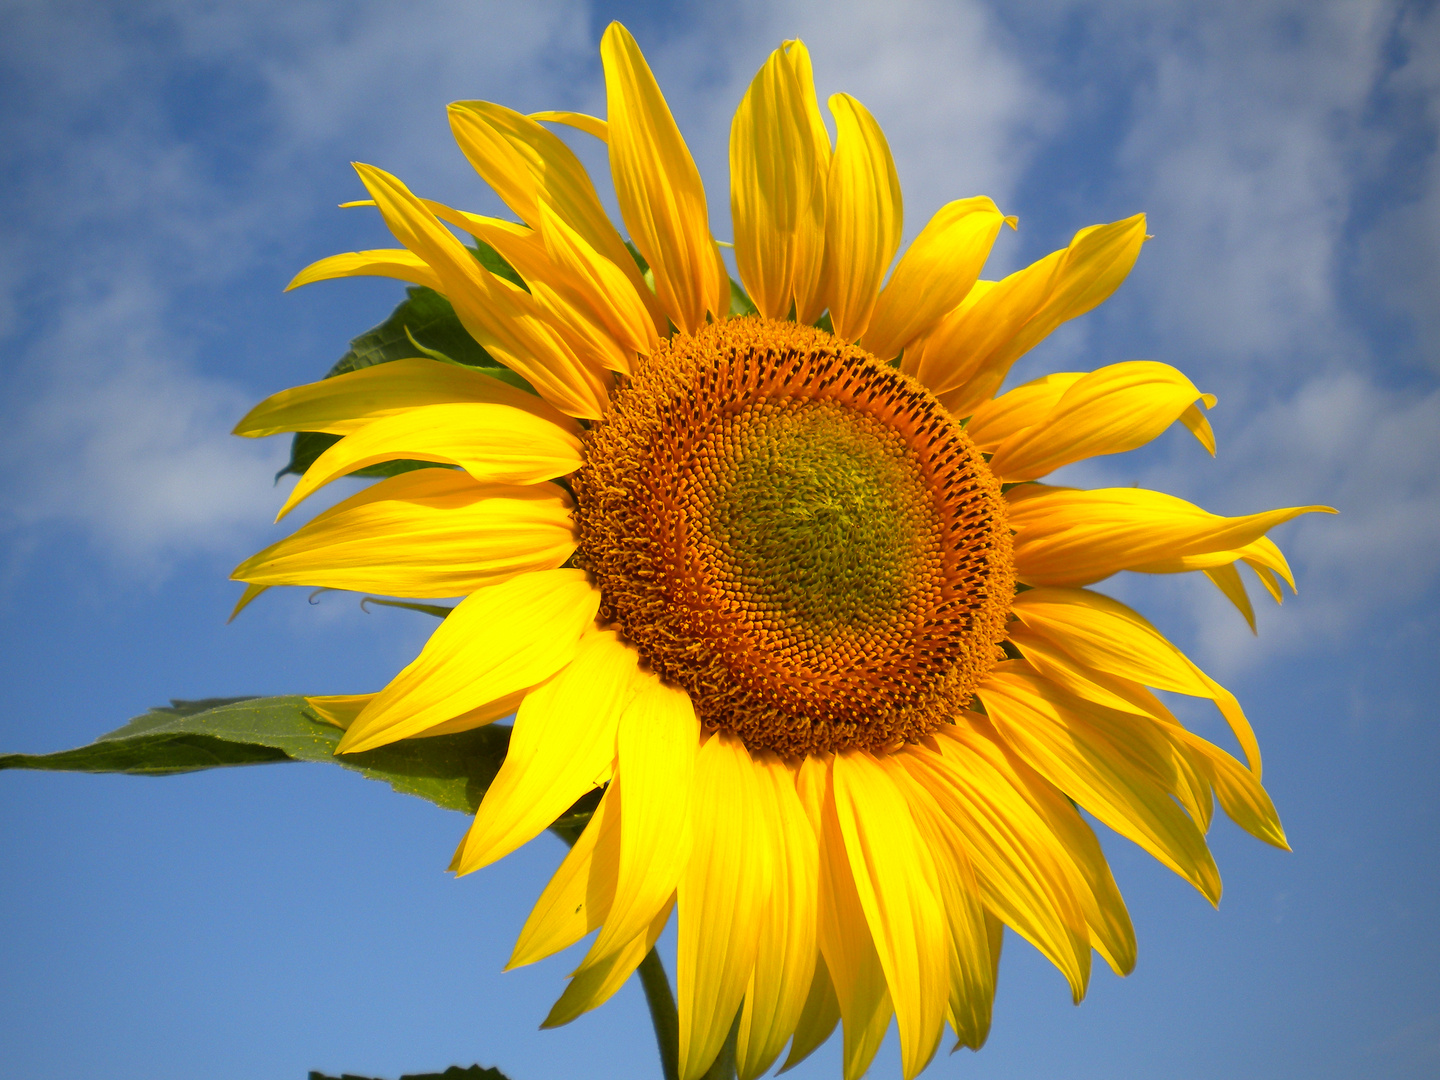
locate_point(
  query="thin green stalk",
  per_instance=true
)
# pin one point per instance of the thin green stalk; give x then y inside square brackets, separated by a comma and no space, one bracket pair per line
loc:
[663,1015]
[724,1066]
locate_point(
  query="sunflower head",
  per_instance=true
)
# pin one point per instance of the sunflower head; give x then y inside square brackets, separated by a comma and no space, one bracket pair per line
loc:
[788,588]
[798,535]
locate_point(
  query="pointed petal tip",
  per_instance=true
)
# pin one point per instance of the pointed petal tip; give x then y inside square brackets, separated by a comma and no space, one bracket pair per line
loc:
[356,740]
[251,592]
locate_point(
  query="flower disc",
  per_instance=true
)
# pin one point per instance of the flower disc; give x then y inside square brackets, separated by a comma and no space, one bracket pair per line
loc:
[798,535]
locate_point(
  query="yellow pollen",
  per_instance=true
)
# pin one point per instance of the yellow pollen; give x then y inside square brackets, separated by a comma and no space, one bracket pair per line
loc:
[798,535]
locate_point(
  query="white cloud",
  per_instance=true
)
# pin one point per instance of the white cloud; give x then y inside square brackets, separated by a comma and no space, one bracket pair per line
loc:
[962,113]
[1400,251]
[129,221]
[1243,130]
[1240,148]
[1254,142]
[135,449]
[126,209]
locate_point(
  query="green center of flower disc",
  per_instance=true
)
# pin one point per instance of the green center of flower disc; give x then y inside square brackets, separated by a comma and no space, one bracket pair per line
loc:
[798,535]
[814,518]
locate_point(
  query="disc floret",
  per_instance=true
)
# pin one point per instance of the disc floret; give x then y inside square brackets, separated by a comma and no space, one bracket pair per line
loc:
[798,535]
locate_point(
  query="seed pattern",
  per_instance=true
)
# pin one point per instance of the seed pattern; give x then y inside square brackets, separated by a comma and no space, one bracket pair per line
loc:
[798,535]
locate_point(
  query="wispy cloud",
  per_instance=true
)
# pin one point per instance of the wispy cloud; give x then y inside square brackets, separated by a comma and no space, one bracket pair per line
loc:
[145,198]
[135,449]
[171,153]
[169,157]
[1252,137]
[1398,252]
[962,112]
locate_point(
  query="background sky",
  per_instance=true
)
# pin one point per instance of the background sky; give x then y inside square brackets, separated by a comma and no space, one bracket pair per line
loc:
[166,166]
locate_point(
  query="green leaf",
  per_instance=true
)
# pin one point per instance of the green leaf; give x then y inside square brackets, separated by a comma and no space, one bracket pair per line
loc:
[454,1072]
[740,302]
[430,320]
[424,323]
[452,771]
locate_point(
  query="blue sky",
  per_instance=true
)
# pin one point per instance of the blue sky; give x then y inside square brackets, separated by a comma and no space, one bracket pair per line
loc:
[166,167]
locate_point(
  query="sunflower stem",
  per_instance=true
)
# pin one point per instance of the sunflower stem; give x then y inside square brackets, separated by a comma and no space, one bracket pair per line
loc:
[662,1013]
[723,1067]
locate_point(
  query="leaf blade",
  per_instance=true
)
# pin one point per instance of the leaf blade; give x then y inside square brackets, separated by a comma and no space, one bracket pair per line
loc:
[451,771]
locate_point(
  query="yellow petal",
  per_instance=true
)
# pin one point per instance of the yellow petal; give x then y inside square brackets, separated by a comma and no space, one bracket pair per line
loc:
[809,278]
[1000,418]
[348,402]
[427,533]
[1017,863]
[391,263]
[817,1019]
[722,892]
[604,286]
[1111,931]
[1104,634]
[596,981]
[787,950]
[1109,411]
[1083,749]
[562,745]
[504,319]
[899,891]
[863,217]
[493,443]
[528,165]
[569,907]
[844,934]
[1227,579]
[571,310]
[1266,559]
[1065,536]
[589,300]
[1200,427]
[497,640]
[1242,798]
[972,984]
[1193,791]
[934,275]
[779,158]
[1194,788]
[246,598]
[1262,556]
[656,746]
[479,716]
[967,356]
[1050,660]
[658,187]
[591,125]
[338,709]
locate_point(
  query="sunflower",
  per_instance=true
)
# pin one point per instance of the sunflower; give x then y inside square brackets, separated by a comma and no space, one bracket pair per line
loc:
[780,577]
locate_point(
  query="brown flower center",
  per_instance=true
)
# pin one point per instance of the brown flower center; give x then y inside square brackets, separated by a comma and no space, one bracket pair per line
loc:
[798,535]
